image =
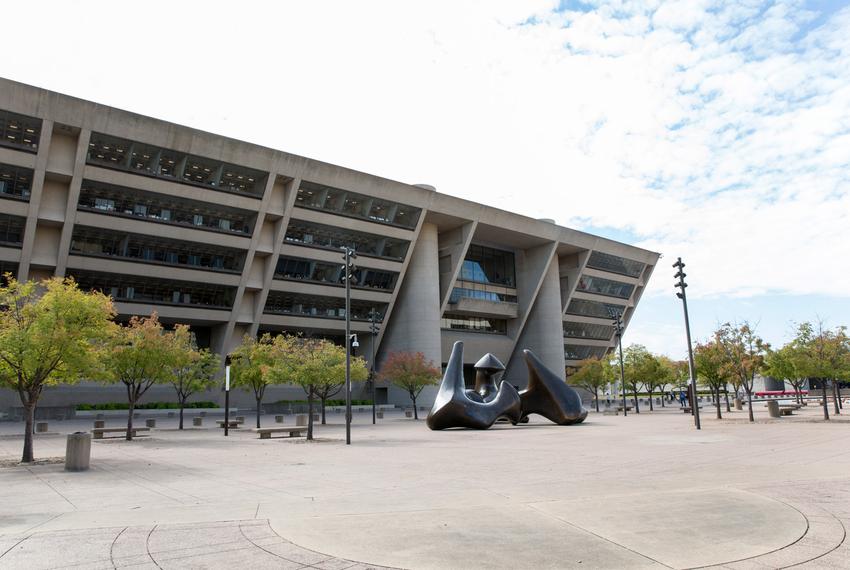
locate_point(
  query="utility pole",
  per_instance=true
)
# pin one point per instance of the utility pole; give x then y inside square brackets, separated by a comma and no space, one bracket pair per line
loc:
[373,329]
[618,324]
[680,284]
[348,275]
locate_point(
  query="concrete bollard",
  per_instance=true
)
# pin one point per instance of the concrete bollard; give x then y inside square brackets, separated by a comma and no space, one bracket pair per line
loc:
[739,405]
[278,419]
[150,422]
[78,451]
[197,422]
[379,415]
[773,408]
[99,423]
[408,413]
[40,427]
[301,419]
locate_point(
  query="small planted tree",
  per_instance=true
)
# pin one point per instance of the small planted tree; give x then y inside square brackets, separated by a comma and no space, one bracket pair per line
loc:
[638,362]
[250,367]
[411,372]
[142,354]
[194,370]
[712,368]
[50,333]
[657,373]
[592,375]
[745,355]
[787,364]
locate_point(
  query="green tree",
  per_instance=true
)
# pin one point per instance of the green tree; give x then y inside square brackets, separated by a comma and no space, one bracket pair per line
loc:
[712,368]
[592,375]
[193,370]
[657,373]
[142,354]
[639,367]
[823,355]
[787,364]
[251,365]
[411,372]
[50,333]
[745,355]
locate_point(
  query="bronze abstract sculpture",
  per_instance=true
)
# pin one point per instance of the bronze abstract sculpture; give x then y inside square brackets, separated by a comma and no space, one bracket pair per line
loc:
[479,408]
[454,407]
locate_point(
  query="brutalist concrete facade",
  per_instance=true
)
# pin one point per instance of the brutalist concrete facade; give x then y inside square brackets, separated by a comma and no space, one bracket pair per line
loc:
[234,238]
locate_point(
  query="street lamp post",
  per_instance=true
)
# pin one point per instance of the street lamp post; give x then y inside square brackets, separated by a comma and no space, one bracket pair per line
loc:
[348,275]
[373,329]
[618,324]
[226,394]
[680,275]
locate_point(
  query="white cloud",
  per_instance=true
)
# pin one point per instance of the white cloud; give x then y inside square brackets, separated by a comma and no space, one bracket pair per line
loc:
[715,131]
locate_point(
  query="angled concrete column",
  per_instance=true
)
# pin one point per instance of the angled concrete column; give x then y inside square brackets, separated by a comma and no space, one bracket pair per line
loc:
[415,322]
[543,332]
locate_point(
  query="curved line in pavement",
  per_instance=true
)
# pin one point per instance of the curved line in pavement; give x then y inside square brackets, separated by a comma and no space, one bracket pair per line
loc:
[112,547]
[148,547]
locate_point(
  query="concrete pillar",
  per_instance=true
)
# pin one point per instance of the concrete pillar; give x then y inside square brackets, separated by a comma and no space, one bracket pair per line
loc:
[415,322]
[773,408]
[543,333]
[78,451]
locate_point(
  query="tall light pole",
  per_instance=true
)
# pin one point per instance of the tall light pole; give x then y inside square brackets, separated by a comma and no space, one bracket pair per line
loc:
[680,284]
[618,327]
[348,275]
[373,329]
[226,394]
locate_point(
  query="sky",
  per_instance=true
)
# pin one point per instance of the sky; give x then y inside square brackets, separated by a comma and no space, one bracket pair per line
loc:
[714,131]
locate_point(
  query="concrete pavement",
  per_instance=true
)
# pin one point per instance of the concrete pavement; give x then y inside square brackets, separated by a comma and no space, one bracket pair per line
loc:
[645,491]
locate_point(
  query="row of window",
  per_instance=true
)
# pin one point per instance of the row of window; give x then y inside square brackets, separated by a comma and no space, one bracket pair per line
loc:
[320,235]
[595,309]
[474,324]
[19,131]
[128,202]
[130,288]
[12,229]
[580,352]
[587,330]
[319,197]
[487,265]
[615,264]
[459,293]
[331,273]
[141,158]
[101,242]
[602,286]
[15,181]
[283,303]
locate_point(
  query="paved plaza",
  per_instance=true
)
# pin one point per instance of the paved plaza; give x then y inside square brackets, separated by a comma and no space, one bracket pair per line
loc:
[645,491]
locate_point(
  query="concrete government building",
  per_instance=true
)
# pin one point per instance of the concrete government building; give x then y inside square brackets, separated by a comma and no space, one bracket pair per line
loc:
[234,238]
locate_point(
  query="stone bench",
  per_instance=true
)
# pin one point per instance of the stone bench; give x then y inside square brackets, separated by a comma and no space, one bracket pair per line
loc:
[97,433]
[688,409]
[231,424]
[628,408]
[266,433]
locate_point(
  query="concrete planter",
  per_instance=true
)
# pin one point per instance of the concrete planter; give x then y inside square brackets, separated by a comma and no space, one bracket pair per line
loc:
[300,419]
[198,422]
[78,451]
[151,423]
[41,427]
[408,413]
[379,415]
[278,419]
[99,423]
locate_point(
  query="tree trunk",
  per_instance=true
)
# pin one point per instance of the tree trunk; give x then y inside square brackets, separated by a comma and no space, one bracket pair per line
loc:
[726,396]
[29,414]
[310,415]
[259,402]
[129,436]
[323,411]
[717,402]
[415,411]
[637,406]
[663,397]
[596,397]
[182,405]
[651,409]
[750,403]
[835,396]
[825,405]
